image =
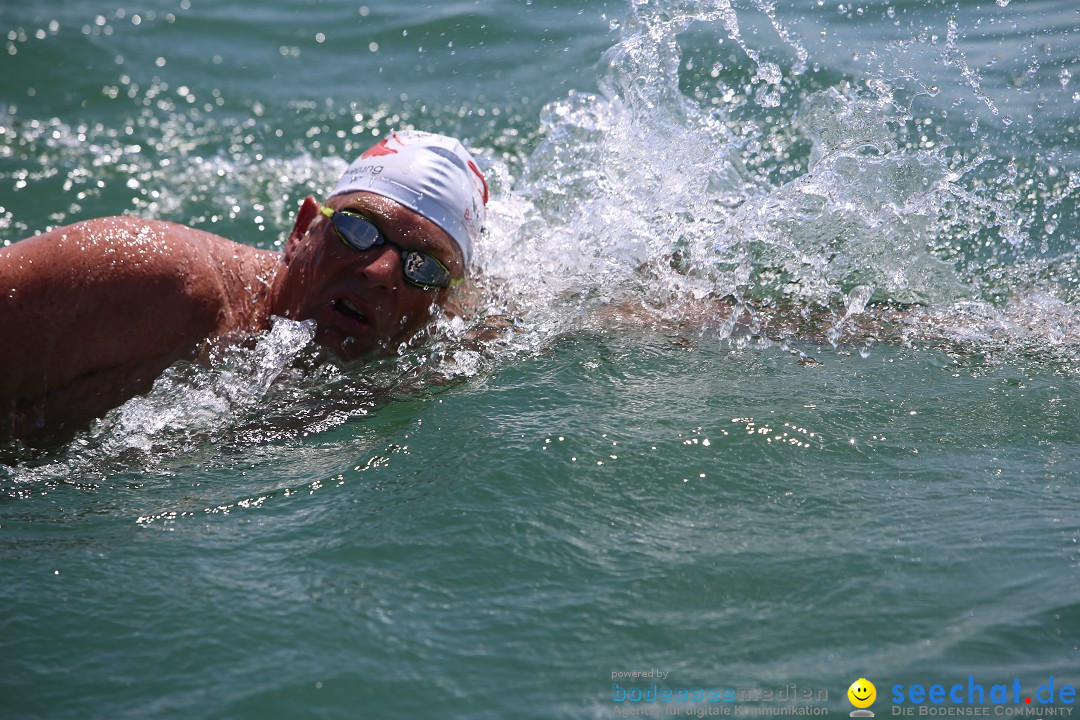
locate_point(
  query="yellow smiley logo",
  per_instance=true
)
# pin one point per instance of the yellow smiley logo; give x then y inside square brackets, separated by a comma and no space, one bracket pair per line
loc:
[862,693]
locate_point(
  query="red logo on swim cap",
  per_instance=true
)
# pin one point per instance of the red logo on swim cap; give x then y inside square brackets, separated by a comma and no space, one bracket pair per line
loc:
[378,149]
[482,187]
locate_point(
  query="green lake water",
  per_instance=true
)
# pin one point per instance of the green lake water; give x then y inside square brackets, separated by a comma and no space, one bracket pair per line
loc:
[623,482]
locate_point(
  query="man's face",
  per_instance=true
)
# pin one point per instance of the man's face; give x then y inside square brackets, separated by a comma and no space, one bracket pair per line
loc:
[360,301]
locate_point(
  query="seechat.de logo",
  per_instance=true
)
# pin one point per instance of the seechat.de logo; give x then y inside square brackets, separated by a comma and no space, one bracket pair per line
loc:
[862,694]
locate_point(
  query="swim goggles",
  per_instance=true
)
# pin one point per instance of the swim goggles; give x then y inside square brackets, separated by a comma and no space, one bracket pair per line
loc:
[419,268]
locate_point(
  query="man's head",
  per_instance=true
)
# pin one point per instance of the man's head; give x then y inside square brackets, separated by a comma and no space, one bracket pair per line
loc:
[396,233]
[432,175]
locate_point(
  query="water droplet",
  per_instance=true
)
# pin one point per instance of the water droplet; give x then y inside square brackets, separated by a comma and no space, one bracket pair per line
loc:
[1002,3]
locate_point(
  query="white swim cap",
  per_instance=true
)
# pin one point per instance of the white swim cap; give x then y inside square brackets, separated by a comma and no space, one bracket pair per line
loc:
[432,175]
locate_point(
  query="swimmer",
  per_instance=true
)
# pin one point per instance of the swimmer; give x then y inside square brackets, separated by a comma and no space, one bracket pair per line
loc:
[92,313]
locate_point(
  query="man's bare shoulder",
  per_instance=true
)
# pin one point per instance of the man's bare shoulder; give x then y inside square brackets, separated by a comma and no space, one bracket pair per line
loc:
[118,295]
[89,260]
[123,242]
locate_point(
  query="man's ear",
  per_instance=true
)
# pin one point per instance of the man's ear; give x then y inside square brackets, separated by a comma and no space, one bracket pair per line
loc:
[309,210]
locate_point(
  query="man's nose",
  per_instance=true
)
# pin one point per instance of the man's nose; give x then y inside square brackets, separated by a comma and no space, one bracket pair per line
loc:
[383,266]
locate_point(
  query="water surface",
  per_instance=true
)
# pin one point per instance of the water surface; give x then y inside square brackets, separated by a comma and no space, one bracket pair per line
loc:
[872,473]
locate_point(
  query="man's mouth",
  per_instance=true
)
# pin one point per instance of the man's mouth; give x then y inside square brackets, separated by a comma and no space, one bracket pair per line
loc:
[345,307]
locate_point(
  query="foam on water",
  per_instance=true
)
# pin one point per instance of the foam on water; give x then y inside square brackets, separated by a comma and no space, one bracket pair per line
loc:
[193,402]
[188,407]
[767,188]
